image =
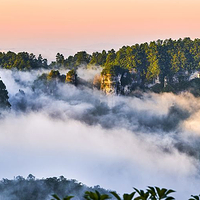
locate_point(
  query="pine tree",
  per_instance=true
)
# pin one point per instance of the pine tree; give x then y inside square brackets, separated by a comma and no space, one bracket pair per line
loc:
[4,103]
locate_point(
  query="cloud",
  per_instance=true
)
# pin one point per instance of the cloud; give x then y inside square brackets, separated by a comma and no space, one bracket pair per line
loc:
[88,73]
[113,141]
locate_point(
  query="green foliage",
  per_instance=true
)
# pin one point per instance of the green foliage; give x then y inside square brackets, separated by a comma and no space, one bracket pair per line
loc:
[195,197]
[71,77]
[162,58]
[95,195]
[53,74]
[65,198]
[21,61]
[153,68]
[125,196]
[158,194]
[113,70]
[81,58]
[137,65]
[154,193]
[4,103]
[110,59]
[142,194]
[71,72]
[98,58]
[192,86]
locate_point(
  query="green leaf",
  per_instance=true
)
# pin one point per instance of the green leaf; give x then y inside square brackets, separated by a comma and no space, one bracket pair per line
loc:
[152,191]
[143,195]
[169,198]
[130,196]
[137,190]
[163,193]
[195,197]
[68,197]
[55,196]
[158,190]
[116,195]
[104,196]
[170,191]
[138,198]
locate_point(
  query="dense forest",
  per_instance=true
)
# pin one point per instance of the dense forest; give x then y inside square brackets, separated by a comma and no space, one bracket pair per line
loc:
[22,61]
[159,66]
[165,62]
[149,60]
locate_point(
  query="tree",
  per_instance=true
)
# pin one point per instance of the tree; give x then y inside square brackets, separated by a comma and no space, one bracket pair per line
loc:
[153,69]
[121,57]
[98,58]
[4,103]
[60,59]
[30,177]
[71,77]
[54,74]
[95,58]
[110,59]
[178,62]
[81,58]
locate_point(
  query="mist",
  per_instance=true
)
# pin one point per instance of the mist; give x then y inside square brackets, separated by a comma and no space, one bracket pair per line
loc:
[88,73]
[116,142]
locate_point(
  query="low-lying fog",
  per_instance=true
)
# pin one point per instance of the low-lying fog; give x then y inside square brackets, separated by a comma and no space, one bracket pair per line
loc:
[113,141]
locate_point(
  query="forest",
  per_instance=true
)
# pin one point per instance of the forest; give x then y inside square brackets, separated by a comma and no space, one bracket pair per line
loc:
[161,66]
[148,60]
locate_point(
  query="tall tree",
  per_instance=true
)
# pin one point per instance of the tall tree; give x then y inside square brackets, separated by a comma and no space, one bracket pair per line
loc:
[153,69]
[4,103]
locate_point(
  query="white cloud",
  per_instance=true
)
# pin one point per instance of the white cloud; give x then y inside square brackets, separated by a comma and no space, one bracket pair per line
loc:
[116,142]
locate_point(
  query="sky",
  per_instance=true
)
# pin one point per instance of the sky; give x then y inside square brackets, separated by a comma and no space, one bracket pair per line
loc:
[66,26]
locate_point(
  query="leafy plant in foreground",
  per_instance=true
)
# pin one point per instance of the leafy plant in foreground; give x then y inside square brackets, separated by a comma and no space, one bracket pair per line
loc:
[154,193]
[195,197]
[125,196]
[95,195]
[65,198]
[142,194]
[157,193]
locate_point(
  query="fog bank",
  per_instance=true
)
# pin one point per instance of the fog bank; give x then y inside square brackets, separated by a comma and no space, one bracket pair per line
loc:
[113,141]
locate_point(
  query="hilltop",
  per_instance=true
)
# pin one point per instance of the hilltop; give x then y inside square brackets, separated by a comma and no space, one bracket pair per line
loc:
[158,66]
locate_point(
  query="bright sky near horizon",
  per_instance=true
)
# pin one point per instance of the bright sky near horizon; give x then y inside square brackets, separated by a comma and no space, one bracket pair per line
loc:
[68,26]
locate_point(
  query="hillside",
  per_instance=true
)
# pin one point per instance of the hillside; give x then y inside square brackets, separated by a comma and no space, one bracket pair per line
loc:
[161,62]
